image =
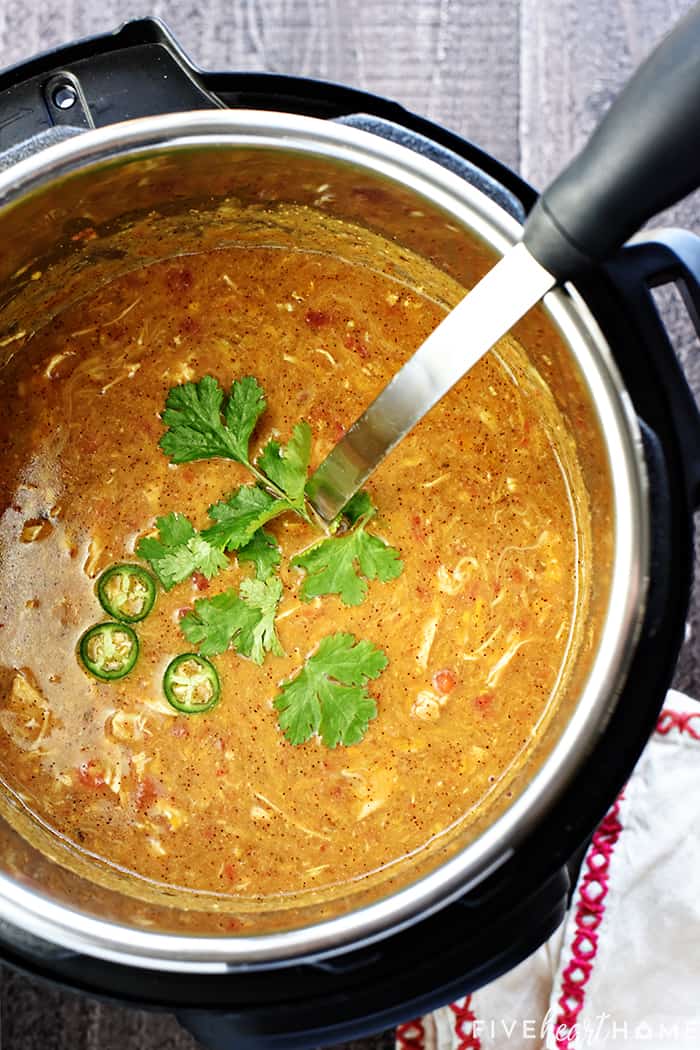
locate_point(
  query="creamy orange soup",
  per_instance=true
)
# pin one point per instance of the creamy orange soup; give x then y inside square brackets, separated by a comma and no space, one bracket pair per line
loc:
[476,629]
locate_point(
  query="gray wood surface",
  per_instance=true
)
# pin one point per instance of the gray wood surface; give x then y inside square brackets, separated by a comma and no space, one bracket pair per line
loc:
[526,79]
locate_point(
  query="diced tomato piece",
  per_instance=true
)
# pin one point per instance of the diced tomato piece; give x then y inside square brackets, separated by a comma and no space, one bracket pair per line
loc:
[417,528]
[483,701]
[91,773]
[444,681]
[181,613]
[200,581]
[317,318]
[179,728]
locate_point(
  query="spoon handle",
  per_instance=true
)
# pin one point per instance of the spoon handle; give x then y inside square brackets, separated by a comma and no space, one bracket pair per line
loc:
[642,157]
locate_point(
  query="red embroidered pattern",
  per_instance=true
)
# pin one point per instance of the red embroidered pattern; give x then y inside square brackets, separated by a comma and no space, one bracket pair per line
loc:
[593,889]
[464,1025]
[680,720]
[411,1035]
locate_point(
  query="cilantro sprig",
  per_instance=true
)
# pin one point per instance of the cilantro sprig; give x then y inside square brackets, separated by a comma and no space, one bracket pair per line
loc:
[343,564]
[329,694]
[238,518]
[179,551]
[203,423]
[246,621]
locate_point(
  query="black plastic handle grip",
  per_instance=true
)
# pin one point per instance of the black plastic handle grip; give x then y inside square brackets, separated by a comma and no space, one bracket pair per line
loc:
[642,157]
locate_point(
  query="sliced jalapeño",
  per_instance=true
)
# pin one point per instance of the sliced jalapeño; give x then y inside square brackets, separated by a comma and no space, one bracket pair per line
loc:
[109,650]
[126,592]
[191,684]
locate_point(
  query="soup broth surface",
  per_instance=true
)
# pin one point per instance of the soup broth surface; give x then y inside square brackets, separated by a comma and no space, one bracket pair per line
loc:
[476,629]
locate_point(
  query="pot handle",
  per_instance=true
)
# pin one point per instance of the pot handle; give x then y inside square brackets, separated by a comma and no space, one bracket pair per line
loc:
[138,71]
[659,257]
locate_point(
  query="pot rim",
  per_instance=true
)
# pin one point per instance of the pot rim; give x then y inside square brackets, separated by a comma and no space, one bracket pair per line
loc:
[61,924]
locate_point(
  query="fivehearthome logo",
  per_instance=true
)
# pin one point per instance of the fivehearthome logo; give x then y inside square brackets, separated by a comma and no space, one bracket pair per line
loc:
[601,1032]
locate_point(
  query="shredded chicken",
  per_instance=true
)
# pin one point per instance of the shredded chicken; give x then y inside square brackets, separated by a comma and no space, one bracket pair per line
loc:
[543,537]
[477,653]
[501,664]
[139,761]
[56,361]
[428,637]
[258,813]
[36,529]
[290,820]
[128,726]
[28,698]
[156,846]
[427,706]
[129,373]
[327,354]
[372,788]
[172,815]
[106,324]
[436,481]
[452,581]
[313,872]
[94,562]
[12,338]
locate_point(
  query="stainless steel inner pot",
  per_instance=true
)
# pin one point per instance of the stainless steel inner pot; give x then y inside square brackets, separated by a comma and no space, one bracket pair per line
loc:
[151,171]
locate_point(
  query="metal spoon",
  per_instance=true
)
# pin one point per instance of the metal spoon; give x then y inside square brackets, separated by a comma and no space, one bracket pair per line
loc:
[642,157]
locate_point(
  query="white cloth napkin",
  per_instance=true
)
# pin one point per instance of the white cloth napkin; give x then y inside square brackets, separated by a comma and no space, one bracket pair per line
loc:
[623,970]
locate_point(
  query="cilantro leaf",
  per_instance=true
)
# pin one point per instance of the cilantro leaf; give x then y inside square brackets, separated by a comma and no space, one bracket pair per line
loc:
[262,596]
[263,552]
[215,621]
[246,621]
[329,694]
[179,551]
[208,560]
[286,465]
[359,507]
[196,430]
[174,529]
[245,405]
[343,564]
[240,516]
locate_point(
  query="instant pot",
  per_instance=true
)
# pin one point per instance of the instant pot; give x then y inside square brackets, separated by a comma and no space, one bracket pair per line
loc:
[361,975]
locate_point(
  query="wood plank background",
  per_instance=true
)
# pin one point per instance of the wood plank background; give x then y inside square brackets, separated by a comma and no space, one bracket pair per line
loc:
[526,79]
